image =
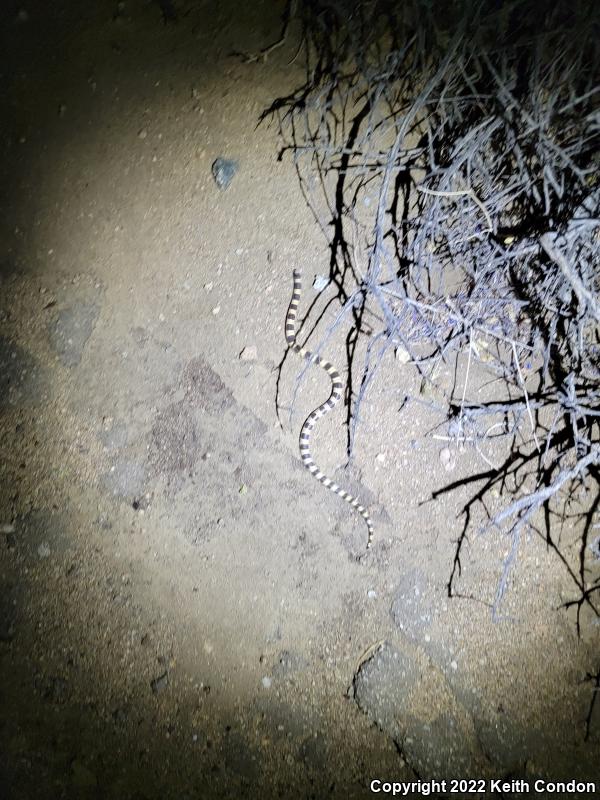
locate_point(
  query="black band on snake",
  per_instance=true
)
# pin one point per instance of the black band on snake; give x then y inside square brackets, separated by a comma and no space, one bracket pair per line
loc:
[310,422]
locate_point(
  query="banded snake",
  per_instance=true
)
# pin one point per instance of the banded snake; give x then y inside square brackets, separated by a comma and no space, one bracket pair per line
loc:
[310,422]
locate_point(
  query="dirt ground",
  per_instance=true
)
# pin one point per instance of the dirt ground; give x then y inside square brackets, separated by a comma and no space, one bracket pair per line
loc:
[185,612]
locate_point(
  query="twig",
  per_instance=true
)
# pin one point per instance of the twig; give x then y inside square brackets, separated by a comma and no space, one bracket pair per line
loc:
[530,415]
[584,296]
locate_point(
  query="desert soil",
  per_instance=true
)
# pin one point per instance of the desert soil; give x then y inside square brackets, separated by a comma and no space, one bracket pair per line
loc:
[185,612]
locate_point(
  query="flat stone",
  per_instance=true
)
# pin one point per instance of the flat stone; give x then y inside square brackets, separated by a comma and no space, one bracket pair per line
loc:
[70,332]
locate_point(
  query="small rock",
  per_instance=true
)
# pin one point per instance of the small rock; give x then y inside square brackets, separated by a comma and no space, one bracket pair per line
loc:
[380,457]
[447,459]
[320,283]
[141,503]
[216,310]
[481,350]
[43,550]
[159,684]
[143,133]
[266,682]
[249,353]
[70,331]
[402,355]
[7,527]
[371,594]
[223,170]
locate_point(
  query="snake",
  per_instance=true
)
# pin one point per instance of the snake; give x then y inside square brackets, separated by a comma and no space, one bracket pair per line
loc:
[337,388]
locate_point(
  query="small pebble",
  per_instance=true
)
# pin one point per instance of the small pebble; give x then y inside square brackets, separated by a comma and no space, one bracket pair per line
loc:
[143,133]
[7,527]
[43,550]
[447,459]
[159,684]
[223,170]
[453,665]
[216,310]
[371,594]
[266,682]
[320,283]
[402,355]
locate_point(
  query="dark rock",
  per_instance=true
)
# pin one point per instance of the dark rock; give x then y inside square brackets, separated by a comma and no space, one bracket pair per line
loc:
[70,332]
[160,683]
[223,170]
[22,380]
[383,689]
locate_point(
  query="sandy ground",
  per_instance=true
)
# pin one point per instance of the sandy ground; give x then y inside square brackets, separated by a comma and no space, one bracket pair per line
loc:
[185,613]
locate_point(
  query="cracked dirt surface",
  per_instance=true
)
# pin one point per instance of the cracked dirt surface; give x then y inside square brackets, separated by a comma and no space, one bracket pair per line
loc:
[185,612]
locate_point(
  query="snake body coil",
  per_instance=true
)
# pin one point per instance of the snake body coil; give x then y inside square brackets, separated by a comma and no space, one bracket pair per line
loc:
[310,422]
